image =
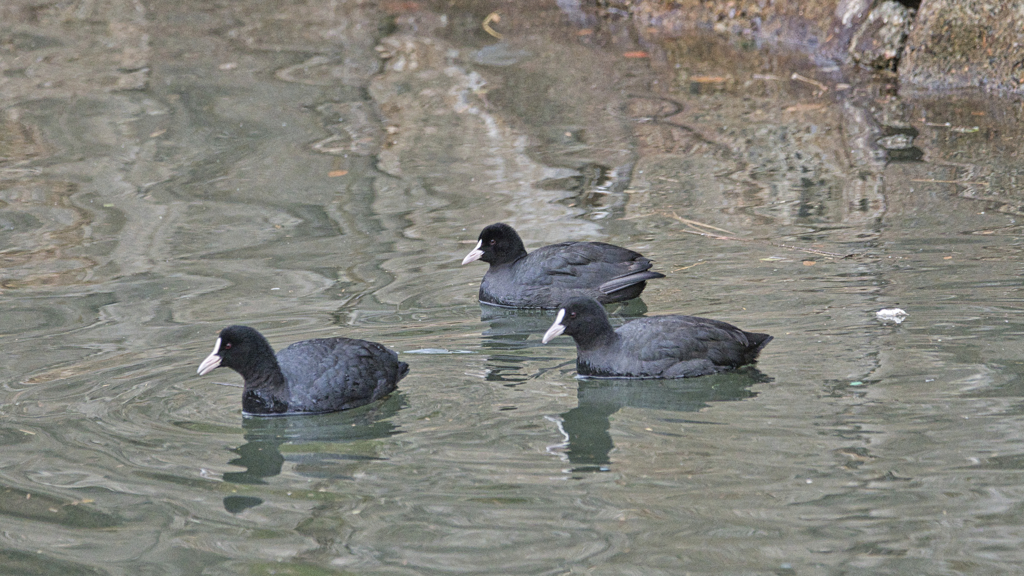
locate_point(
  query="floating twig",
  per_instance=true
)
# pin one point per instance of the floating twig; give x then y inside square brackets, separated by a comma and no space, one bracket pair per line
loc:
[932,181]
[699,224]
[20,171]
[697,263]
[492,17]
[775,244]
[960,129]
[810,81]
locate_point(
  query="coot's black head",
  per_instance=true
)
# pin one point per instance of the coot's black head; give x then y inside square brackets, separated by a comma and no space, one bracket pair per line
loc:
[242,349]
[498,244]
[582,318]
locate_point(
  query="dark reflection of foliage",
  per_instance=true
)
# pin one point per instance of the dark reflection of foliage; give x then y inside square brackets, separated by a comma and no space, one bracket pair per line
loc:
[41,564]
[39,507]
[11,437]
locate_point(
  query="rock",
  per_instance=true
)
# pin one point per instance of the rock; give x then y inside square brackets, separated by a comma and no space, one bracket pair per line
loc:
[805,25]
[947,44]
[965,43]
[879,41]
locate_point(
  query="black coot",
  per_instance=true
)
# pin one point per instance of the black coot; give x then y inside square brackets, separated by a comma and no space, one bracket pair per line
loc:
[308,377]
[656,347]
[548,276]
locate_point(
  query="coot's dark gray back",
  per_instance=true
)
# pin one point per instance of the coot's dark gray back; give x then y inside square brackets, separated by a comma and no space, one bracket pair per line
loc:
[329,374]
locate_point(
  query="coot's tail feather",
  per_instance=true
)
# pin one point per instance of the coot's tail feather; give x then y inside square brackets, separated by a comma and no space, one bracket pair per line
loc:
[616,284]
[757,343]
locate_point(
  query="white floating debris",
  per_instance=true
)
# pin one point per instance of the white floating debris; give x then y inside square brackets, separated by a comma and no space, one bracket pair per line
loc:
[891,315]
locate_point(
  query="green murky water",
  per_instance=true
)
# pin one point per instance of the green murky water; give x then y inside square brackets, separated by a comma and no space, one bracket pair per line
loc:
[321,168]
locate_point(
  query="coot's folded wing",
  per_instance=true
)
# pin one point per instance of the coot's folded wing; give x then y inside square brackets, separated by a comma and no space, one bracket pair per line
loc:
[689,337]
[593,265]
[338,373]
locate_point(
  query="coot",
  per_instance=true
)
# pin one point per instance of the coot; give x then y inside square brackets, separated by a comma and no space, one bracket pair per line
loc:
[656,347]
[308,377]
[548,276]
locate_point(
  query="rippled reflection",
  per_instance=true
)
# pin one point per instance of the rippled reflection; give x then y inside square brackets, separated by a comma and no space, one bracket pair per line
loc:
[317,169]
[588,444]
[315,445]
[35,563]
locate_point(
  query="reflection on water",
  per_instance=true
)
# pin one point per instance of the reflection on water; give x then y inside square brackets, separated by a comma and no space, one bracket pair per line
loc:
[43,508]
[317,169]
[315,445]
[588,444]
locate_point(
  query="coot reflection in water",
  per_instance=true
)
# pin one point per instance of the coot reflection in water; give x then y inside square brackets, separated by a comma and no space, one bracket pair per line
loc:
[588,443]
[587,427]
[327,435]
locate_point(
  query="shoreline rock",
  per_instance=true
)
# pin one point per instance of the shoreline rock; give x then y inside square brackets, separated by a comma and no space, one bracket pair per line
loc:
[932,45]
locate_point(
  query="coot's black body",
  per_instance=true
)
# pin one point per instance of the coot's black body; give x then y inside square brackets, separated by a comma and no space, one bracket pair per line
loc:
[655,347]
[548,276]
[308,377]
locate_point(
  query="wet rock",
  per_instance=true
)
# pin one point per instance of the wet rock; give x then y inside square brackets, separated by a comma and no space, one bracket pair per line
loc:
[851,13]
[868,31]
[811,26]
[879,41]
[946,44]
[965,43]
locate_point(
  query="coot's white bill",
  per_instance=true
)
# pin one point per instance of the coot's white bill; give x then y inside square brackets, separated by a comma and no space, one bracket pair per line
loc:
[474,254]
[212,361]
[556,329]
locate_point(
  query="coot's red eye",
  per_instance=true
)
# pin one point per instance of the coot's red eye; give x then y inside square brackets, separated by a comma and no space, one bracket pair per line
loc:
[227,346]
[572,314]
[492,242]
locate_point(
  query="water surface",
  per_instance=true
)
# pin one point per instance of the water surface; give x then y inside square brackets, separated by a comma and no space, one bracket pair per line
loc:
[321,169]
